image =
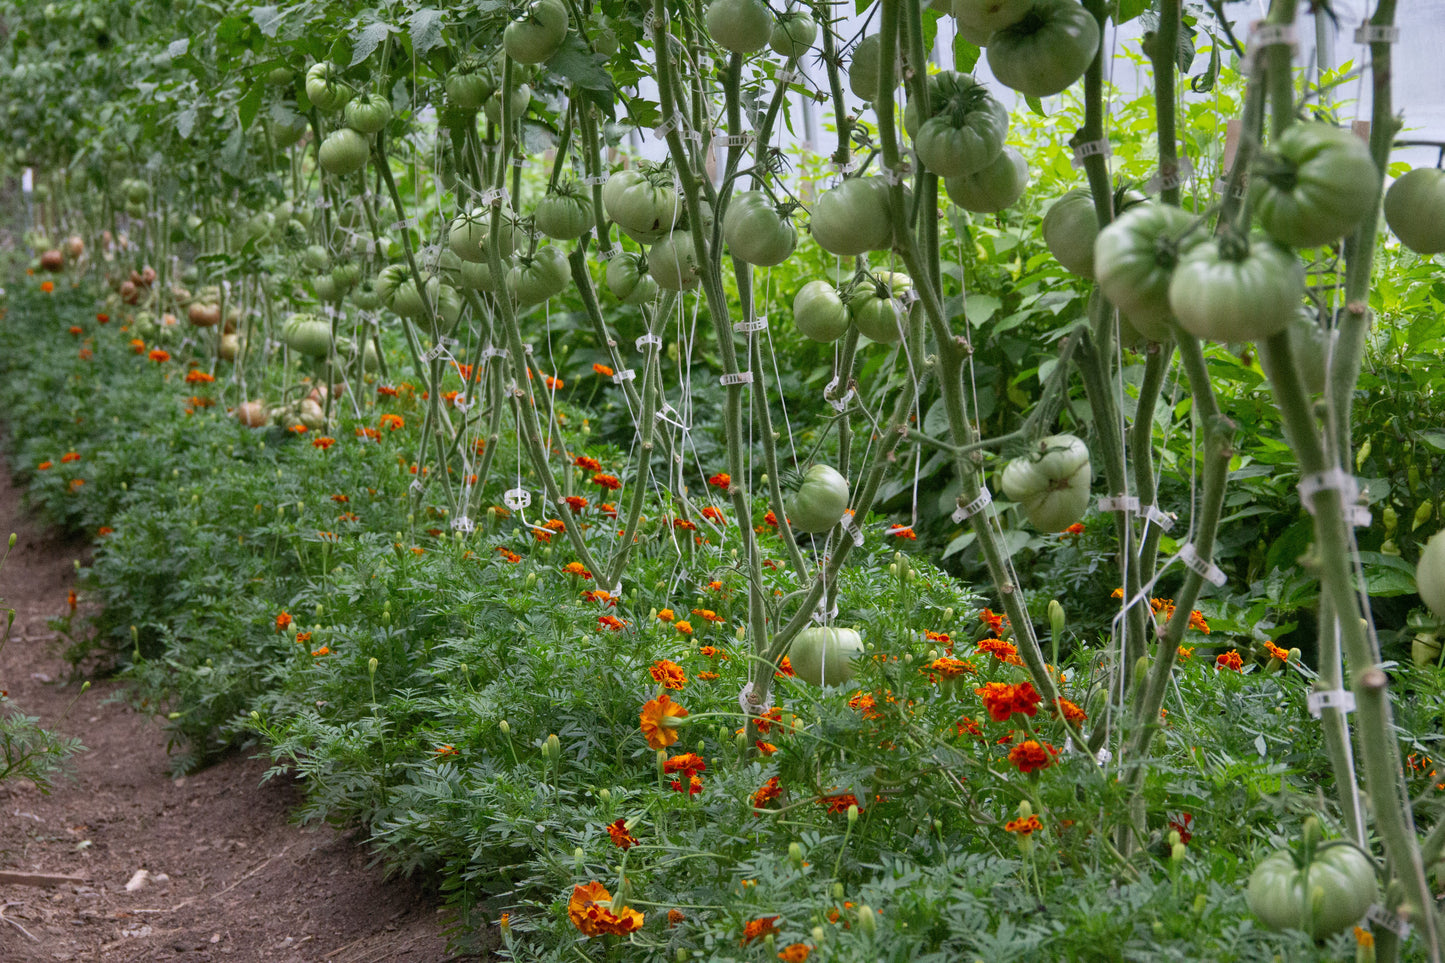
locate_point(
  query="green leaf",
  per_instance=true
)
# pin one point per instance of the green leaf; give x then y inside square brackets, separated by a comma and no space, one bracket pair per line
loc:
[1205,82]
[1036,106]
[965,55]
[426,30]
[980,308]
[250,104]
[186,122]
[1435,439]
[368,40]
[1129,9]
[268,19]
[580,66]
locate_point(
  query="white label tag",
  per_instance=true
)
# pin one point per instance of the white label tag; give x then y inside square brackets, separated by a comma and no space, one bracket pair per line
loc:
[1384,919]
[1370,33]
[517,498]
[1340,699]
[490,352]
[965,512]
[405,224]
[740,378]
[595,179]
[1172,178]
[1119,503]
[1207,570]
[735,140]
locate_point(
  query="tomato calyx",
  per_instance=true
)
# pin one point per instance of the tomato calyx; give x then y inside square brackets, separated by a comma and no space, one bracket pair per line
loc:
[1233,246]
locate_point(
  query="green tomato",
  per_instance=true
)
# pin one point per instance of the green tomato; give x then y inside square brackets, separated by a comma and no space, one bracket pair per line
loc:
[343,152]
[536,35]
[994,188]
[448,303]
[315,258]
[564,214]
[1310,346]
[287,130]
[1227,289]
[470,231]
[1134,261]
[307,334]
[673,262]
[793,34]
[967,129]
[1070,228]
[1430,574]
[863,69]
[406,299]
[854,217]
[325,88]
[469,85]
[325,287]
[1415,210]
[819,312]
[366,297]
[1317,185]
[875,307]
[642,202]
[1045,50]
[741,26]
[628,280]
[521,100]
[978,20]
[472,276]
[1051,482]
[756,232]
[369,114]
[1325,896]
[824,655]
[820,501]
[540,277]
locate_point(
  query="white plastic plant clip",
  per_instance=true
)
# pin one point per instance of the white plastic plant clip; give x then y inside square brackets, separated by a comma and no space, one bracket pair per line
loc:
[1169,178]
[1204,568]
[750,327]
[463,524]
[626,374]
[1119,503]
[516,498]
[1319,701]
[1377,33]
[649,339]
[737,378]
[1089,149]
[1154,516]
[964,512]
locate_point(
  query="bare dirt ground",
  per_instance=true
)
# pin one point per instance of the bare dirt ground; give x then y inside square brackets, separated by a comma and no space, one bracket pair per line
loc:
[229,877]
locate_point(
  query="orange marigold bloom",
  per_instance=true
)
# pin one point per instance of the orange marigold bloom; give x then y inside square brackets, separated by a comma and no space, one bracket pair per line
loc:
[1071,712]
[576,568]
[967,727]
[553,384]
[103,318]
[766,720]
[575,502]
[994,622]
[1186,652]
[1003,700]
[684,524]
[865,703]
[370,433]
[609,482]
[590,910]
[611,622]
[949,667]
[771,520]
[1229,660]
[1275,652]
[282,621]
[707,676]
[758,928]
[45,465]
[785,668]
[1001,650]
[386,391]
[69,457]
[342,499]
[713,652]
[657,720]
[445,750]
[608,509]
[665,615]
[674,916]
[105,530]
[668,674]
[85,354]
[714,515]
[1073,530]
[323,442]
[159,355]
[795,953]
[689,763]
[137,345]
[766,748]
[683,626]
[1364,937]
[508,554]
[709,615]
[303,638]
[904,532]
[621,837]
[47,286]
[603,370]
[769,791]
[839,803]
[721,480]
[1023,826]
[391,422]
[197,377]
[76,330]
[1030,755]
[298,430]
[1196,621]
[75,483]
[587,463]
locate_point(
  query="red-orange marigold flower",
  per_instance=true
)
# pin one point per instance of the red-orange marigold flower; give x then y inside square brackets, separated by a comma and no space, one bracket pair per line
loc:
[576,569]
[159,355]
[758,928]
[621,837]
[1229,660]
[795,953]
[69,457]
[603,370]
[590,910]
[1029,755]
[839,803]
[391,422]
[323,442]
[1070,711]
[949,667]
[1023,826]
[994,622]
[611,622]
[769,791]
[575,502]
[587,463]
[197,377]
[658,723]
[721,480]
[904,532]
[282,621]
[609,482]
[785,668]
[668,674]
[714,515]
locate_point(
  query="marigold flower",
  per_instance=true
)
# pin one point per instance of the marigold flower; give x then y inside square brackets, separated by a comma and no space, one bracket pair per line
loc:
[1196,621]
[1030,755]
[611,622]
[1180,824]
[69,457]
[105,530]
[1071,712]
[445,750]
[795,953]
[586,463]
[553,384]
[865,703]
[85,354]
[324,650]
[47,286]
[721,480]
[904,532]
[508,554]
[668,674]
[621,837]
[694,785]
[137,345]
[391,422]
[159,355]
[555,524]
[688,763]
[1229,660]
[994,622]
[386,391]
[1275,652]
[713,652]
[758,928]
[1186,652]
[370,433]
[714,515]
[766,748]
[771,520]
[608,509]
[283,621]
[590,910]
[1001,650]
[1003,700]
[45,465]
[839,803]
[765,721]
[769,791]
[576,569]
[76,330]
[707,676]
[323,442]
[70,599]
[603,370]
[785,668]
[684,524]
[1073,531]
[298,429]
[103,318]
[708,615]
[341,499]
[1364,937]
[967,726]
[198,377]
[658,720]
[575,502]
[1024,825]
[665,615]
[609,482]
[75,483]
[949,667]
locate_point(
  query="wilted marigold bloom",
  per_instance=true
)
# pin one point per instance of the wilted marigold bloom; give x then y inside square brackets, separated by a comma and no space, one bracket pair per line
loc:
[795,953]
[508,554]
[1229,660]
[198,377]
[576,569]
[657,721]
[323,442]
[758,928]
[708,615]
[1030,755]
[1023,826]
[721,480]
[684,524]
[159,355]
[1186,652]
[621,838]
[603,370]
[668,674]
[69,457]
[769,791]
[611,622]
[137,345]
[1072,713]
[391,422]
[904,532]
[609,482]
[590,910]
[575,502]
[994,622]
[283,621]
[950,668]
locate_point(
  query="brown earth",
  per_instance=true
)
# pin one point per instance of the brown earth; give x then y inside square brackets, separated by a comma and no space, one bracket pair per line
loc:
[229,877]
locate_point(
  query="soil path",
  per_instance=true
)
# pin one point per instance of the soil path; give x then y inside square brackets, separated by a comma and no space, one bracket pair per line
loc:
[230,878]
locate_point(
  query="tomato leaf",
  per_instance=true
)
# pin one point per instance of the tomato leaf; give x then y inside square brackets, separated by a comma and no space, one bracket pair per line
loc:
[268,19]
[1204,83]
[186,122]
[250,104]
[177,48]
[965,55]
[426,30]
[368,40]
[1129,9]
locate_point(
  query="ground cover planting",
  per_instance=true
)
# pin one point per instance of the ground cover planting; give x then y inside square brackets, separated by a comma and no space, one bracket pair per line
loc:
[997,521]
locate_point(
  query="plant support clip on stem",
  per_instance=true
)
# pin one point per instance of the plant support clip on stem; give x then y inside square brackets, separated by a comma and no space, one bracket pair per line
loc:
[1376,33]
[649,339]
[1262,36]
[1335,479]
[751,327]
[966,511]
[737,378]
[516,498]
[1323,699]
[1089,149]
[1204,568]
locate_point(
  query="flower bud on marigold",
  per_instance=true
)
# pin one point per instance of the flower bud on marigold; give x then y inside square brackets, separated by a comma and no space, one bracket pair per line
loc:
[505,727]
[578,857]
[1056,618]
[867,922]
[1177,852]
[852,814]
[795,855]
[554,748]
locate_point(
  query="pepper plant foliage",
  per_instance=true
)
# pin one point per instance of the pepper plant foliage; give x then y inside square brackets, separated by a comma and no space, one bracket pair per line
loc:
[569,413]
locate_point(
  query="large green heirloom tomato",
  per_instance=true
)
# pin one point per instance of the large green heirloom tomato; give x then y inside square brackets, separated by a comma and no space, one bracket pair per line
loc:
[863,69]
[1051,482]
[564,214]
[643,202]
[1325,896]
[1430,574]
[1070,228]
[521,99]
[534,36]
[1134,261]
[819,312]
[469,85]
[854,217]
[1317,185]
[756,232]
[978,20]
[966,132]
[875,307]
[1229,289]
[1046,49]
[535,279]
[470,231]
[368,115]
[742,26]
[819,502]
[343,152]
[325,88]
[824,655]
[793,34]
[1415,210]
[673,262]
[994,188]
[307,334]
[628,280]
